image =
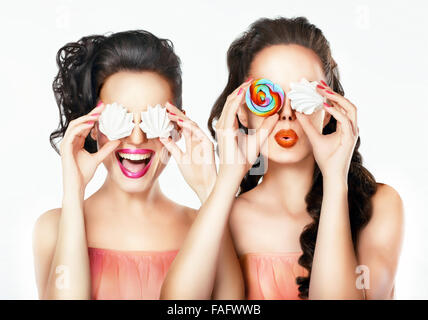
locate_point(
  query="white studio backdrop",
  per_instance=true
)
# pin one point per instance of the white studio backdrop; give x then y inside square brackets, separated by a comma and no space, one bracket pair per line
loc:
[381,49]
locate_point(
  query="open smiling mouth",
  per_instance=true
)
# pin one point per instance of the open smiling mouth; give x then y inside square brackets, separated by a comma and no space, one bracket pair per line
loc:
[286,138]
[134,163]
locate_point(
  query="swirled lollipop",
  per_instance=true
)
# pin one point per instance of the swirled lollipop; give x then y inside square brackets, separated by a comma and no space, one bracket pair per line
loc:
[264,98]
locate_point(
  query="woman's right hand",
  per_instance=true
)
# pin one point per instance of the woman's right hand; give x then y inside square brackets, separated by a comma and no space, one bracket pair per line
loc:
[78,165]
[237,150]
[197,163]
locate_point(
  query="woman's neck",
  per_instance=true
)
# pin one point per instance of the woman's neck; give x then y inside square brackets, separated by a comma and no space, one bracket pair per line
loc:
[289,183]
[131,202]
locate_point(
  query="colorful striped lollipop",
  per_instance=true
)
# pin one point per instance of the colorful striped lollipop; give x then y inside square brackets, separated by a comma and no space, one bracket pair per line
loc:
[264,98]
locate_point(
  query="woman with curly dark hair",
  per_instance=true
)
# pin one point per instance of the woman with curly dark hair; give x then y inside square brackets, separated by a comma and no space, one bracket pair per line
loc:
[309,220]
[119,242]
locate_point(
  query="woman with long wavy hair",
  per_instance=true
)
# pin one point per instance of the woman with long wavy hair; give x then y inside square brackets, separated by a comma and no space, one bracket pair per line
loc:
[119,242]
[309,221]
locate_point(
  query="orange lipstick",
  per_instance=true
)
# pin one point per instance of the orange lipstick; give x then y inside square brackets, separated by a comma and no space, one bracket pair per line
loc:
[286,138]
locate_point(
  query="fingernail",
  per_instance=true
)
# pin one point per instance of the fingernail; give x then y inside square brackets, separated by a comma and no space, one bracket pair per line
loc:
[329,92]
[327,105]
[322,81]
[99,103]
[172,113]
[90,122]
[320,86]
[95,114]
[181,120]
[239,92]
[249,79]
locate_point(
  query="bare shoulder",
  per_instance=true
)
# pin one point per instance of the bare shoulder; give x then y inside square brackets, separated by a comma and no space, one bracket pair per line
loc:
[385,228]
[387,207]
[239,205]
[182,213]
[249,216]
[386,197]
[45,233]
[46,225]
[245,209]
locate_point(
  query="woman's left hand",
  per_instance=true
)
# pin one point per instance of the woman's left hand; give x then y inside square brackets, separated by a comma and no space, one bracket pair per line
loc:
[333,152]
[197,163]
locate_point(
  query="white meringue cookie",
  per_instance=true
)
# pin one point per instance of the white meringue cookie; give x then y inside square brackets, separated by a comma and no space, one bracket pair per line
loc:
[115,122]
[155,122]
[304,97]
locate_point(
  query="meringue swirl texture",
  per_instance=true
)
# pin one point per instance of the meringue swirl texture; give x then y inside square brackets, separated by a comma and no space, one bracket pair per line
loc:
[155,122]
[304,97]
[115,122]
[264,98]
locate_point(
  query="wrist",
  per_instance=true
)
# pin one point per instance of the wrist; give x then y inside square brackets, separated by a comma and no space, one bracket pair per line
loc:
[73,186]
[225,184]
[73,197]
[204,192]
[231,173]
[337,182]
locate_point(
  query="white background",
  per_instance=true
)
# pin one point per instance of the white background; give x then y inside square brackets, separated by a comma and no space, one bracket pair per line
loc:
[381,49]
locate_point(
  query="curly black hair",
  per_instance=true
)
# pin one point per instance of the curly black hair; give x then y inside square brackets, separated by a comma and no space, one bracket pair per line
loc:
[85,65]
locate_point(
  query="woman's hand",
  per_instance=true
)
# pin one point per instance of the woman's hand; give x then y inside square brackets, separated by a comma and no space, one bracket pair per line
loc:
[237,150]
[333,152]
[197,163]
[79,165]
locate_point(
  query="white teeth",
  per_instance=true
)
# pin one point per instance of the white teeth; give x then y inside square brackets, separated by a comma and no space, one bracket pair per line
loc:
[134,156]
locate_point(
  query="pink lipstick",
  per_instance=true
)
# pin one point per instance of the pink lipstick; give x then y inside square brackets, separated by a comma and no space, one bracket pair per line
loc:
[134,163]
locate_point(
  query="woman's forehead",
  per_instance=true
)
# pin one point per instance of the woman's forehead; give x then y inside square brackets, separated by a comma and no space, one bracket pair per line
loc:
[284,64]
[136,90]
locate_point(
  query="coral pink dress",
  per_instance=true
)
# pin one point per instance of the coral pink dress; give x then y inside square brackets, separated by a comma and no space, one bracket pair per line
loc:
[128,274]
[271,276]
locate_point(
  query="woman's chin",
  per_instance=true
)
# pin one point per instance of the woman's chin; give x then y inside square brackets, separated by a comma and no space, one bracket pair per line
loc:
[287,156]
[285,159]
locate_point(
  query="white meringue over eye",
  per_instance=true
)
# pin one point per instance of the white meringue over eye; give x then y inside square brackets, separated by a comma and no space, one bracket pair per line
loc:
[155,122]
[304,96]
[115,122]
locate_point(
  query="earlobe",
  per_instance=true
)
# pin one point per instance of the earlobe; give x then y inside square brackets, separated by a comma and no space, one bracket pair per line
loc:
[243,116]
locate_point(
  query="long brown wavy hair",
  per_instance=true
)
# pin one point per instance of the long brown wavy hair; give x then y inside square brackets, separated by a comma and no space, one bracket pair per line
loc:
[361,183]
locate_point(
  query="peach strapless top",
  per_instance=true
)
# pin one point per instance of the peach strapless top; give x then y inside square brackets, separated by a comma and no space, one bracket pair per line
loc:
[128,275]
[271,276]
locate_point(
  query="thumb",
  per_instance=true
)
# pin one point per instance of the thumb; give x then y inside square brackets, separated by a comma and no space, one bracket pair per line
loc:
[308,127]
[172,148]
[105,150]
